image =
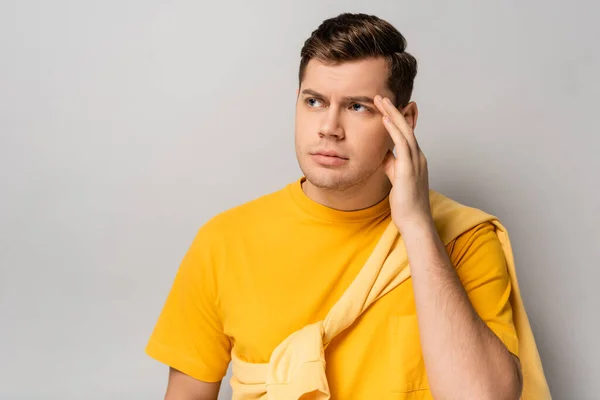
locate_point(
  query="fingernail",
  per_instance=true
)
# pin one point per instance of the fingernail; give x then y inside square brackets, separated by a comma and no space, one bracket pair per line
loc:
[386,118]
[377,99]
[388,100]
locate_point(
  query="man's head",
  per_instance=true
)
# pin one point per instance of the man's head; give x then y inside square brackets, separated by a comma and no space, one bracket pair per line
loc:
[346,62]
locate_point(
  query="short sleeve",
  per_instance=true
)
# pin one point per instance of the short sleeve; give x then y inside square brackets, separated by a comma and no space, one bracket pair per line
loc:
[481,266]
[189,334]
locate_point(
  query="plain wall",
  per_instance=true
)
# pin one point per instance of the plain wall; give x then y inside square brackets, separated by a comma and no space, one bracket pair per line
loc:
[125,125]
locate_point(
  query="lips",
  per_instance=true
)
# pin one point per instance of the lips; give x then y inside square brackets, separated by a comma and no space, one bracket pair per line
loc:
[329,158]
[330,153]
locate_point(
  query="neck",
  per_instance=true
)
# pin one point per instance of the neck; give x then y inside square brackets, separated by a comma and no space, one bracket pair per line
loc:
[357,197]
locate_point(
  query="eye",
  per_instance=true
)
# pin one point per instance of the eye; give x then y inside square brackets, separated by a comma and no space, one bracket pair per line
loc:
[359,107]
[312,102]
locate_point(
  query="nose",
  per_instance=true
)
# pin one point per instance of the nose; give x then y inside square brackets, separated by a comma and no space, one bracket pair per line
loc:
[331,124]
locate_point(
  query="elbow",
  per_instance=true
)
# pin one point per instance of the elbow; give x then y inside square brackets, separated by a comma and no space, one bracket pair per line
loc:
[514,384]
[507,384]
[501,383]
[497,391]
[510,391]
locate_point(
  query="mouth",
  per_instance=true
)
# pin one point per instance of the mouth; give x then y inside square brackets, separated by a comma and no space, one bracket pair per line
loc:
[328,160]
[330,153]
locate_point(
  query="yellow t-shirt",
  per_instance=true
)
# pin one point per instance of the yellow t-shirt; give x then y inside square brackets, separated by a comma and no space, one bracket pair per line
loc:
[263,270]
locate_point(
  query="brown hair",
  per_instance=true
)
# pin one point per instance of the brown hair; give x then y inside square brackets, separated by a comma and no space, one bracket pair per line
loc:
[353,37]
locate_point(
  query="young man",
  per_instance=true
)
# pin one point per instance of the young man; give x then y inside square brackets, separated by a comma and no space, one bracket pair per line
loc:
[257,273]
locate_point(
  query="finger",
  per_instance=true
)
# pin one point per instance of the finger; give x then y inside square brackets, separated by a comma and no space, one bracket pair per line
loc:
[395,133]
[399,120]
[379,104]
[422,161]
[389,165]
[402,147]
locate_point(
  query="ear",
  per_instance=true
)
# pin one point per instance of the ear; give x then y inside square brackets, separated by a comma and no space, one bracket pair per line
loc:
[411,114]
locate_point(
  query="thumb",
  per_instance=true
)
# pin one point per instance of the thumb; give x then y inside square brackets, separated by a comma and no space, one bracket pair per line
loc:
[389,165]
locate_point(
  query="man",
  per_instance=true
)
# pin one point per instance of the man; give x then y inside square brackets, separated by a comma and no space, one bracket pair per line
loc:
[259,272]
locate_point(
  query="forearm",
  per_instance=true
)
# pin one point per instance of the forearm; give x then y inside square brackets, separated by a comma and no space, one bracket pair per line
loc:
[463,357]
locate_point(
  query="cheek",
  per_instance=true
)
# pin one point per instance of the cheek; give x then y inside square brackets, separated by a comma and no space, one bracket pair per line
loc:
[384,139]
[371,140]
[298,122]
[304,126]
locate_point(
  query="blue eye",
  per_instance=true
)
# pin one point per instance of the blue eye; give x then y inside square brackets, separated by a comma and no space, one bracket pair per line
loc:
[359,107]
[312,102]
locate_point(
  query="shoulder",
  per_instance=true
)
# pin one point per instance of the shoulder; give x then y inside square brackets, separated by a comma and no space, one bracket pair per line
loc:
[245,215]
[476,245]
[485,230]
[228,229]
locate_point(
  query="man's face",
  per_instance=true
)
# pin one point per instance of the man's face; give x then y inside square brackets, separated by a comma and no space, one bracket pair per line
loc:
[335,113]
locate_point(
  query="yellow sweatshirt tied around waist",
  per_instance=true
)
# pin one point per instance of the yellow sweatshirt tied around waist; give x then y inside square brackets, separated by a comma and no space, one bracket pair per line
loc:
[297,365]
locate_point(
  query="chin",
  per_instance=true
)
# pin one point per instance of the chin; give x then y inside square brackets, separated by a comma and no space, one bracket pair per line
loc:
[339,179]
[323,178]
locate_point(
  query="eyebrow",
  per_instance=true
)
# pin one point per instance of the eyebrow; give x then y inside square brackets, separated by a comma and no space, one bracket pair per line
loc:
[352,99]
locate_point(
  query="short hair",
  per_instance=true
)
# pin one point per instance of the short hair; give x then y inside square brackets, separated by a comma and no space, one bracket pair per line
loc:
[353,37]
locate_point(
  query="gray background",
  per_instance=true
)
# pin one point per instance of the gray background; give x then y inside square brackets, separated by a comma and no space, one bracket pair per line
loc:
[125,125]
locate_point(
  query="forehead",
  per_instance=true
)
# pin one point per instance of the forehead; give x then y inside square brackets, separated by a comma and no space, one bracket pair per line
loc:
[362,77]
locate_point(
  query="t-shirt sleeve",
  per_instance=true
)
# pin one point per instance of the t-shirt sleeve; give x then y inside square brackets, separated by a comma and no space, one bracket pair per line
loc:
[189,334]
[481,266]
